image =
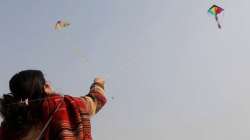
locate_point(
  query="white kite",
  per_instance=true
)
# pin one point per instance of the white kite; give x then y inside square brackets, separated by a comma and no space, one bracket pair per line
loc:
[61,24]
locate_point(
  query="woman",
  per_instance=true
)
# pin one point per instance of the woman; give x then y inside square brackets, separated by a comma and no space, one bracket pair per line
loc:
[33,111]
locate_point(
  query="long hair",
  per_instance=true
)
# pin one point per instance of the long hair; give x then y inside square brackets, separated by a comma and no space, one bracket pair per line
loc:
[19,114]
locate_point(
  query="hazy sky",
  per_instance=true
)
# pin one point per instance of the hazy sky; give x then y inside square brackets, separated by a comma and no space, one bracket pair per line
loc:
[173,74]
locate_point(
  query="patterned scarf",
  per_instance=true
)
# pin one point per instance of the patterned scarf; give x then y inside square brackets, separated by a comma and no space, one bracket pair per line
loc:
[72,120]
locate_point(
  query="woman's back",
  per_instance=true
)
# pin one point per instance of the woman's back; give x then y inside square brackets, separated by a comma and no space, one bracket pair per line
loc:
[56,117]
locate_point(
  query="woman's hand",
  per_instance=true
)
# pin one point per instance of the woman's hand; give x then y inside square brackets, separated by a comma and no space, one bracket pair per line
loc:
[99,80]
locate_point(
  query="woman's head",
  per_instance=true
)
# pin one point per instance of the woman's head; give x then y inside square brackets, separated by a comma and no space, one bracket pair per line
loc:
[28,85]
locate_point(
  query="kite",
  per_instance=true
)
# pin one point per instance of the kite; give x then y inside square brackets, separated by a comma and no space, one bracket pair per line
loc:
[61,24]
[215,11]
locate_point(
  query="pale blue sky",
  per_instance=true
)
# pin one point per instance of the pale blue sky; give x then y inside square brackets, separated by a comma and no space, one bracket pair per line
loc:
[172,73]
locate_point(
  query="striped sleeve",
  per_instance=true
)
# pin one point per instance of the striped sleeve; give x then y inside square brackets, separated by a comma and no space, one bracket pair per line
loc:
[96,98]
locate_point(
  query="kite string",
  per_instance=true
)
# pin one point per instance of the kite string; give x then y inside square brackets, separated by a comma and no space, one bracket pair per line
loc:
[126,65]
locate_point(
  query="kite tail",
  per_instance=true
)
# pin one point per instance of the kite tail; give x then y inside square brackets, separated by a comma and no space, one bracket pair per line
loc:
[218,23]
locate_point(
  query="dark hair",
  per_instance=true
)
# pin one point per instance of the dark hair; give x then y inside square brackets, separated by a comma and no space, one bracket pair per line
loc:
[26,85]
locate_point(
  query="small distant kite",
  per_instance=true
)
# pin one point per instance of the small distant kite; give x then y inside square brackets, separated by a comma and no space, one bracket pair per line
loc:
[61,24]
[215,11]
